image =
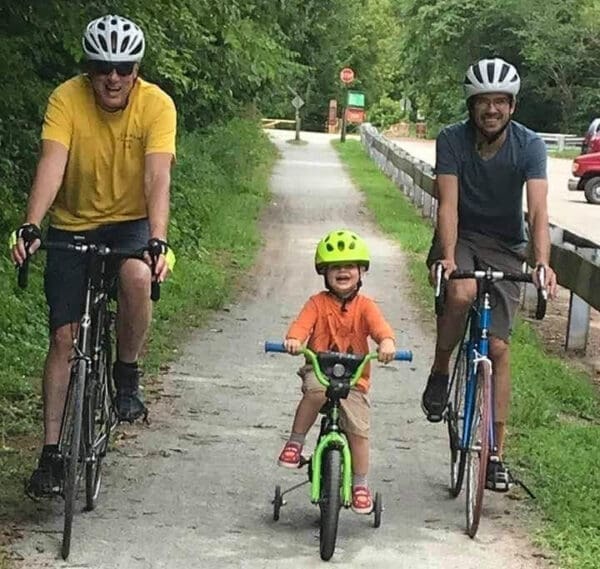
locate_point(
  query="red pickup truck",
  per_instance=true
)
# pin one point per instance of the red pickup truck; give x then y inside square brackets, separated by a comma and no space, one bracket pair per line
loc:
[586,172]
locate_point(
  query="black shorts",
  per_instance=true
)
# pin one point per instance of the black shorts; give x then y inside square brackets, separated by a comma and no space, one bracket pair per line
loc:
[489,252]
[64,278]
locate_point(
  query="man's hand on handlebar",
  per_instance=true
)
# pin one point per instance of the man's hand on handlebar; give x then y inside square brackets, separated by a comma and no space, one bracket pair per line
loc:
[545,277]
[160,258]
[448,267]
[24,242]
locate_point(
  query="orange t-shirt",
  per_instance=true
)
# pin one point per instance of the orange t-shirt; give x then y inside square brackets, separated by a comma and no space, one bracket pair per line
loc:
[327,328]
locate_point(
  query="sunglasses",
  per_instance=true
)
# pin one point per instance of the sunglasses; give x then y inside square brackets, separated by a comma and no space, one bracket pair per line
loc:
[123,68]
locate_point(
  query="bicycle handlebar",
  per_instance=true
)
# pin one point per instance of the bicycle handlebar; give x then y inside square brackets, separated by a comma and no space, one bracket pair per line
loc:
[89,249]
[404,355]
[491,276]
[401,355]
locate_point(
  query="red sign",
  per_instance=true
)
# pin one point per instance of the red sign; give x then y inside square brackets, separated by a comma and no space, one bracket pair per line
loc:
[347,75]
[354,115]
[332,112]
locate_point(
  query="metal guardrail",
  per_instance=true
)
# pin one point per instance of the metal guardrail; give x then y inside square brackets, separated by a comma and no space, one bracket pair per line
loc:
[561,141]
[575,259]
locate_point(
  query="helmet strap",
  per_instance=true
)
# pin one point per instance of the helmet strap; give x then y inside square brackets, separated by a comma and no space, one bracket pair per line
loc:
[345,299]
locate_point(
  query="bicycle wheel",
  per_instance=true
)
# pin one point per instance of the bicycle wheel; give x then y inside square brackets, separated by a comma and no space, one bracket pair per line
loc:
[330,501]
[70,447]
[98,422]
[478,451]
[455,417]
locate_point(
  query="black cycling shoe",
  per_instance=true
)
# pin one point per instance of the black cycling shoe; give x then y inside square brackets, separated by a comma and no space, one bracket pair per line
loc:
[129,404]
[435,397]
[498,477]
[46,480]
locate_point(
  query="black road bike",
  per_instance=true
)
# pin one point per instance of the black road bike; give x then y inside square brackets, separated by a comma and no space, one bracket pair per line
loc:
[89,415]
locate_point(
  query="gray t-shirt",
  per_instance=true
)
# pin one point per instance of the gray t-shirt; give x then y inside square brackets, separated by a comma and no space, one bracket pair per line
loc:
[491,191]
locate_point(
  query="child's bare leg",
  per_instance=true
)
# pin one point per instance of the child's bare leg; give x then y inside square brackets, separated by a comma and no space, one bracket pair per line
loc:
[360,455]
[362,502]
[306,414]
[307,411]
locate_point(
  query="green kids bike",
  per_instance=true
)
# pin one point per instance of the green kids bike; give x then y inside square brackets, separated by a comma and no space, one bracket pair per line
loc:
[330,467]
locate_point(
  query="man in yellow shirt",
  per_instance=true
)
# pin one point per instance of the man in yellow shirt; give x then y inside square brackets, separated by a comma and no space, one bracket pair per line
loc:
[108,143]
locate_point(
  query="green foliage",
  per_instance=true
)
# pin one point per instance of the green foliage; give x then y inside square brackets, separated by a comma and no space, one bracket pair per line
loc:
[553,44]
[385,113]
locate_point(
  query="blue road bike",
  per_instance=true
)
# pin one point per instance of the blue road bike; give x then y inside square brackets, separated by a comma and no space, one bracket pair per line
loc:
[469,412]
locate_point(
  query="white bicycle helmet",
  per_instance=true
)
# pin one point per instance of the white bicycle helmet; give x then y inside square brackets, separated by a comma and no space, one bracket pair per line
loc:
[492,76]
[114,39]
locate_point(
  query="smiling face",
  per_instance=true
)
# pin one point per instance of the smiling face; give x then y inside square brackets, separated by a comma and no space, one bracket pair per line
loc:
[112,84]
[343,278]
[491,112]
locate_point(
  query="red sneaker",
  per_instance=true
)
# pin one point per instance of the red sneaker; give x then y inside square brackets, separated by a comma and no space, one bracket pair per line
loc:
[362,502]
[290,455]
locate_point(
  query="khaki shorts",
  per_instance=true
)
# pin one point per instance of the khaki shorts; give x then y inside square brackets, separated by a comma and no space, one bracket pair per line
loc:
[487,251]
[355,412]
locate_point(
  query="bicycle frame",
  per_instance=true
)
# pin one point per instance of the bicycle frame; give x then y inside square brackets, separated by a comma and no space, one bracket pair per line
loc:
[477,350]
[333,436]
[87,348]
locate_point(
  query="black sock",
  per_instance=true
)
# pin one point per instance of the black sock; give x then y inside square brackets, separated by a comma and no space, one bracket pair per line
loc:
[126,365]
[49,449]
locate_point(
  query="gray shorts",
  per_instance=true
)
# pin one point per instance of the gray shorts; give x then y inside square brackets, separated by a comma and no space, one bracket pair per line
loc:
[64,277]
[489,252]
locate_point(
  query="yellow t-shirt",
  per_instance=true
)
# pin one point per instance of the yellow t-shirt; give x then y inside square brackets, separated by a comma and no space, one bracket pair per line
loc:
[104,177]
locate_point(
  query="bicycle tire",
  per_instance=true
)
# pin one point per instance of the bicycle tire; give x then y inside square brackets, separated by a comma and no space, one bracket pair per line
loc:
[455,420]
[98,422]
[71,448]
[479,448]
[330,501]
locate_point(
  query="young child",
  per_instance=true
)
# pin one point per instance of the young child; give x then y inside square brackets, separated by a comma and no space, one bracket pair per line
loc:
[340,320]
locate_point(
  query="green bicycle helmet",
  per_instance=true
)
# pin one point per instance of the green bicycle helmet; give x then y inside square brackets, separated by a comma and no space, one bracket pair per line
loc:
[341,246]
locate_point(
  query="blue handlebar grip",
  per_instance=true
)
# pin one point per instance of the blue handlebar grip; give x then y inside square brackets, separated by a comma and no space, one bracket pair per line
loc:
[274,347]
[404,355]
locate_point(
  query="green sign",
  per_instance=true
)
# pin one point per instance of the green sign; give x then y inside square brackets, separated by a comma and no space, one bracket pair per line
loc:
[356,99]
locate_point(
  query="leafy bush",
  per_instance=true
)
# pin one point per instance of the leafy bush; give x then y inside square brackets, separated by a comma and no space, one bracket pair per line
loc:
[385,113]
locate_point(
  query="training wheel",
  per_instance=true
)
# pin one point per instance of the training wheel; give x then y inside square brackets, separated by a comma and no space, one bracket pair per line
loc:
[377,509]
[277,503]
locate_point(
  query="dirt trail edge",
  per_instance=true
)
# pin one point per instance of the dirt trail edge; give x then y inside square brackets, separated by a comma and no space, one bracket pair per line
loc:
[194,489]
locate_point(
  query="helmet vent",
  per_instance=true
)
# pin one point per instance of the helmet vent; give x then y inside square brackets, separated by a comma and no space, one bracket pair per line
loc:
[341,245]
[329,247]
[114,39]
[490,71]
[504,72]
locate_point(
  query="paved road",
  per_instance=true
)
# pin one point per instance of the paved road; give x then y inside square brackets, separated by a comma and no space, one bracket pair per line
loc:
[567,209]
[193,490]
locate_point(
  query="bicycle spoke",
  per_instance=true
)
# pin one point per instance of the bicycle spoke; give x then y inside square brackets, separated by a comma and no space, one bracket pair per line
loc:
[70,445]
[478,452]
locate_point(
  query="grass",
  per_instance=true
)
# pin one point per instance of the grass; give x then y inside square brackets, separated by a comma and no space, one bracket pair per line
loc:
[555,421]
[567,154]
[219,188]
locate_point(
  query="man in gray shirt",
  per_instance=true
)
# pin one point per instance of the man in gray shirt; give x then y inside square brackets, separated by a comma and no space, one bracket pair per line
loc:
[481,167]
